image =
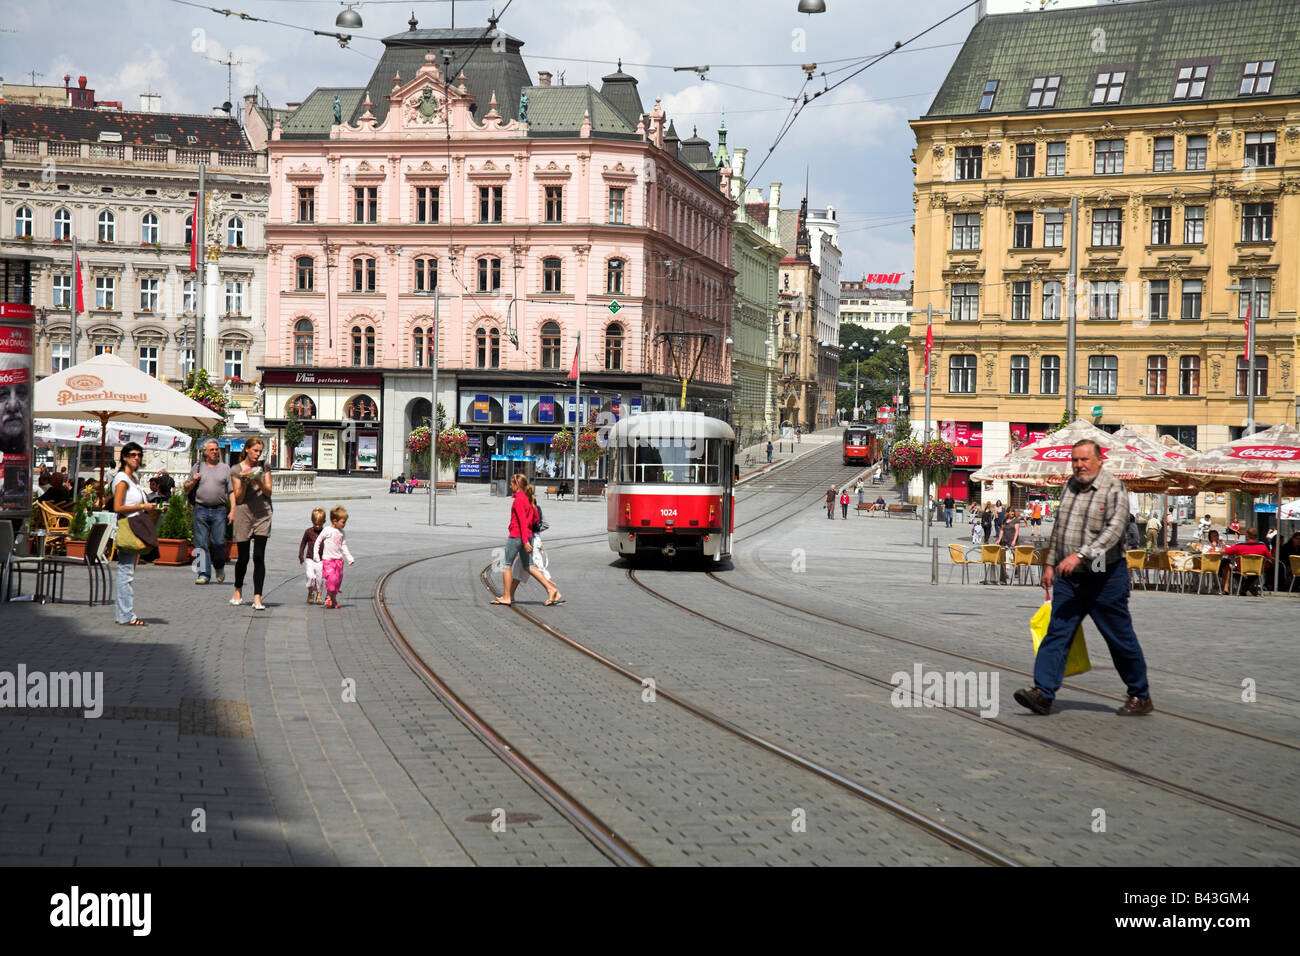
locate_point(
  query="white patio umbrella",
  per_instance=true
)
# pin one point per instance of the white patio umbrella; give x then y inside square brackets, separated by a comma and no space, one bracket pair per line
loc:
[108,389]
[1162,451]
[69,431]
[1047,461]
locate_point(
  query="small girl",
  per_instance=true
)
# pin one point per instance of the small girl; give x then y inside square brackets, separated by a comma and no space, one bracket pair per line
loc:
[307,547]
[331,549]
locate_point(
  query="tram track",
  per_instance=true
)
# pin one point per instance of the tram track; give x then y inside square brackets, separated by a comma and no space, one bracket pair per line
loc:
[1096,760]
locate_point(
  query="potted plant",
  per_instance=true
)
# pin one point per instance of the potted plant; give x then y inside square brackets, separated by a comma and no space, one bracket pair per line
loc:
[420,443]
[79,529]
[174,533]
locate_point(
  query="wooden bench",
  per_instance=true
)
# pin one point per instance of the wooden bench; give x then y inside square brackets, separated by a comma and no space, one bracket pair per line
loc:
[892,510]
[556,491]
[591,489]
[864,508]
[446,486]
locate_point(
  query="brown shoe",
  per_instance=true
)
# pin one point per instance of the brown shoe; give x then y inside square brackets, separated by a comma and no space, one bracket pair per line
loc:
[1033,699]
[1136,707]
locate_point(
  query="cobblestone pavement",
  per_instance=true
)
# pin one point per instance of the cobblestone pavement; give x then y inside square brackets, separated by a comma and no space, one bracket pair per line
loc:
[249,716]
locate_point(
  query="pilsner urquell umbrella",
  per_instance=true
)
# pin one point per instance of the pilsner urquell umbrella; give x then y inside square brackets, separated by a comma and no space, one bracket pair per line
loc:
[108,389]
[1265,462]
[1047,461]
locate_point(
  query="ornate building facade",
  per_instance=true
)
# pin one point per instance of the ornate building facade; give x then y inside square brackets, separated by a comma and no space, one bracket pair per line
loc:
[1176,128]
[538,212]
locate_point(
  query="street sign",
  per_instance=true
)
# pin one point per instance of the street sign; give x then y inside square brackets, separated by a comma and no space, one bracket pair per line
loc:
[1096,411]
[614,307]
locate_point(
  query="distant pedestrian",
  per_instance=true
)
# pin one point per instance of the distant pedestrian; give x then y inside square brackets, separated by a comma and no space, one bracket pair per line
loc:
[128,499]
[948,504]
[1153,530]
[307,558]
[1132,536]
[166,484]
[1036,514]
[524,517]
[830,503]
[331,549]
[986,521]
[844,502]
[769,453]
[1085,562]
[1234,531]
[999,516]
[212,490]
[1009,536]
[1171,528]
[798,433]
[252,519]
[861,492]
[1203,528]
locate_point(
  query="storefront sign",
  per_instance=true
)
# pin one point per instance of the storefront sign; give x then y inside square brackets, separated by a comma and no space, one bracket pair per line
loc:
[538,439]
[518,438]
[967,456]
[546,409]
[329,451]
[367,452]
[471,468]
[634,407]
[515,409]
[320,377]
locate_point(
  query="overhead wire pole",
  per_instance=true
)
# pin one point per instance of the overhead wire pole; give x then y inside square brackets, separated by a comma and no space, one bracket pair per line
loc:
[930,313]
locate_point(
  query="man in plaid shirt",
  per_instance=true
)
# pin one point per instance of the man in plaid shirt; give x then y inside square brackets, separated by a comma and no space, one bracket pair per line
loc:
[1085,560]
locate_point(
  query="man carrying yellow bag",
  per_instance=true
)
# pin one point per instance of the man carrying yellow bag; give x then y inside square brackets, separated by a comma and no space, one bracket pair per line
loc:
[1085,561]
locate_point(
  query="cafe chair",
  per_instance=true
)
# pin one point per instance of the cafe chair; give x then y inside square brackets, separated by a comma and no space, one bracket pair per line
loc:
[1209,568]
[1024,558]
[960,559]
[1294,561]
[94,561]
[992,557]
[1252,566]
[1180,565]
[1137,563]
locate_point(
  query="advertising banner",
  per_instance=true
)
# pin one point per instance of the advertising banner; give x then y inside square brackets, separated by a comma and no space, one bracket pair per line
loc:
[515,408]
[15,414]
[482,408]
[634,407]
[302,455]
[367,452]
[546,409]
[471,468]
[329,451]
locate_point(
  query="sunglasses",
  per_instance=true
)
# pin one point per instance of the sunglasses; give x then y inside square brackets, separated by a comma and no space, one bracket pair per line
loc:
[134,454]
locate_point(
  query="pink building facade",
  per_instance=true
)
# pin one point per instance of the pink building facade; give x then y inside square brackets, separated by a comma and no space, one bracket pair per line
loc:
[542,215]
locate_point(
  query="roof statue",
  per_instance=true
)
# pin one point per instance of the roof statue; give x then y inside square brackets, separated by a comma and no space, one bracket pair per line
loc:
[523,106]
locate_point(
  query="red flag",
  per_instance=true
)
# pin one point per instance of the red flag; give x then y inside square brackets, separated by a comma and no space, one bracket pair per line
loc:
[194,237]
[929,344]
[1246,351]
[80,302]
[573,372]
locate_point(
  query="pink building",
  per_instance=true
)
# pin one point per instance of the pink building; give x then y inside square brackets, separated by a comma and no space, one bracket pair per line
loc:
[539,212]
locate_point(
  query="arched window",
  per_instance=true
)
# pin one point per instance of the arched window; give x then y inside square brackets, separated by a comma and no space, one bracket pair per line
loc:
[422,346]
[304,340]
[551,345]
[552,275]
[614,347]
[487,348]
[363,274]
[363,345]
[306,273]
[302,406]
[62,225]
[149,228]
[23,222]
[235,232]
[107,231]
[480,347]
[189,229]
[426,274]
[361,408]
[494,348]
[614,277]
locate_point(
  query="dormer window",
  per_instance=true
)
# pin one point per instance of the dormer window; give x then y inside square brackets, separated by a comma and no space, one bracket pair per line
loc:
[162,138]
[1108,88]
[990,91]
[1257,77]
[1189,84]
[1042,92]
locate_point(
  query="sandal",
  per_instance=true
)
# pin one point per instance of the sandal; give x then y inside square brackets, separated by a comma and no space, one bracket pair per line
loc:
[135,622]
[555,600]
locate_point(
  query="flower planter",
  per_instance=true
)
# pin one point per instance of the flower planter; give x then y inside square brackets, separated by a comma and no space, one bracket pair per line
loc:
[232,552]
[172,552]
[76,549]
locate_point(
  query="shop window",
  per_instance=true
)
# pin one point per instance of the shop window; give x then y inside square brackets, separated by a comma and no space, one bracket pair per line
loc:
[302,406]
[361,408]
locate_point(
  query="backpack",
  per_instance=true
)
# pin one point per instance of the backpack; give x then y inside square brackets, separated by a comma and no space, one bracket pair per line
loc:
[539,524]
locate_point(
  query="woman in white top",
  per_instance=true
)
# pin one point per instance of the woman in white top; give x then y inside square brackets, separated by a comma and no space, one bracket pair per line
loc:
[128,499]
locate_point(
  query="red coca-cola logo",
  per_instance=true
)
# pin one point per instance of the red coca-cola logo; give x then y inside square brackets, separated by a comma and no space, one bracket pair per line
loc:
[1139,453]
[1059,453]
[85,383]
[1266,452]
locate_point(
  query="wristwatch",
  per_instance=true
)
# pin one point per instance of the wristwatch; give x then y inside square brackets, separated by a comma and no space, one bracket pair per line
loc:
[1082,556]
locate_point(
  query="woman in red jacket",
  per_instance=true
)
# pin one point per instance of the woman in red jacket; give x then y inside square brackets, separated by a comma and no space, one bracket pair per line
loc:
[523,516]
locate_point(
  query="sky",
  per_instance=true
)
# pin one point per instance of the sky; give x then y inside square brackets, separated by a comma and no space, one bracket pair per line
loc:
[853,142]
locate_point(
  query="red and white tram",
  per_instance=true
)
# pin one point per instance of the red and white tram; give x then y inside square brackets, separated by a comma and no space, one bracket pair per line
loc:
[671,476]
[860,445]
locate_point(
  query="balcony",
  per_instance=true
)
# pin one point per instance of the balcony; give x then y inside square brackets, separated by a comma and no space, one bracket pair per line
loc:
[32,150]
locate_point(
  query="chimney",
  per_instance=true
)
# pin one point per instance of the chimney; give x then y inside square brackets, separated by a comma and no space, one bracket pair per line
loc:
[292,106]
[543,78]
[150,103]
[738,160]
[753,194]
[81,82]
[774,209]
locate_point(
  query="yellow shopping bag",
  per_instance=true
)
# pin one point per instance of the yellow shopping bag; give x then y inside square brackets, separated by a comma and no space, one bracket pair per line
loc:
[1077,661]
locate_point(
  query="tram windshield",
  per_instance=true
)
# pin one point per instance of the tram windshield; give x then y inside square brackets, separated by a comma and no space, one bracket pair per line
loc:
[693,462]
[857,439]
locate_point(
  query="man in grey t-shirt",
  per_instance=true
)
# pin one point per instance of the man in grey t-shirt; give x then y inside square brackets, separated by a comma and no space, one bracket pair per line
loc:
[214,492]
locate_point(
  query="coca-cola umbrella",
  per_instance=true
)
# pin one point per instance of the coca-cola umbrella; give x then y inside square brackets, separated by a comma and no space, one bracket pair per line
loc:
[1262,463]
[1161,451]
[1047,461]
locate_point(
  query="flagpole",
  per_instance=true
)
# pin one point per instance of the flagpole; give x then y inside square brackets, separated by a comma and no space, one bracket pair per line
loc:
[76,295]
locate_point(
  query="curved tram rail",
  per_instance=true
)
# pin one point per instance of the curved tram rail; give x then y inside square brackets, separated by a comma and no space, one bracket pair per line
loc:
[1160,783]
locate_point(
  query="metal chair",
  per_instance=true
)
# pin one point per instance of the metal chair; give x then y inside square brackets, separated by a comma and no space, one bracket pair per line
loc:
[960,559]
[56,523]
[992,557]
[1179,563]
[1294,561]
[1024,558]
[1210,565]
[1252,566]
[1137,563]
[93,561]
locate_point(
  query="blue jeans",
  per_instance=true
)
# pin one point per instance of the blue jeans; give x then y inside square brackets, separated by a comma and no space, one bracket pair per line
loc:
[125,610]
[210,538]
[1104,597]
[947,517]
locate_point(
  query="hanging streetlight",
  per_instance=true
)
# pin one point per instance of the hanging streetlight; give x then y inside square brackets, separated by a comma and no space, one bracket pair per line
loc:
[351,20]
[812,6]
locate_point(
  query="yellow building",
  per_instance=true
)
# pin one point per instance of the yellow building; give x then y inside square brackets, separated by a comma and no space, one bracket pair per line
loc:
[1175,125]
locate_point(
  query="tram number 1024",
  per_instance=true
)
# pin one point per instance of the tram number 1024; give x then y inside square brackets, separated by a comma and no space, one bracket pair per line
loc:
[668,512]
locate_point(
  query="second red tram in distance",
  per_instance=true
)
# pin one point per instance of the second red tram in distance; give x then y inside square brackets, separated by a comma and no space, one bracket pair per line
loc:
[861,445]
[671,479]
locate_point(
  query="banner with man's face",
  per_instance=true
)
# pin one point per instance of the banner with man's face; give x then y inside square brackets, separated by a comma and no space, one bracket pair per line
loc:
[16,387]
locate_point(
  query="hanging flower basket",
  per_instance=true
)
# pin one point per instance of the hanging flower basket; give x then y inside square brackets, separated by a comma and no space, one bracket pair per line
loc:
[589,448]
[933,460]
[420,444]
[905,460]
[200,388]
[562,442]
[452,446]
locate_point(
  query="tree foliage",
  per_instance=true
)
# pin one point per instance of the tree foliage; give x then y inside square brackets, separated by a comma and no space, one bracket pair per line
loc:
[881,368]
[293,433]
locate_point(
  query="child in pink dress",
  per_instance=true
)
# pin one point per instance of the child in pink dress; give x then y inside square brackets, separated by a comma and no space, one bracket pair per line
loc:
[331,549]
[307,557]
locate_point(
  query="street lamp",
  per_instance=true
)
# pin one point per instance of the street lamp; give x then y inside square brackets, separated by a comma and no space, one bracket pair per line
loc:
[1250,352]
[857,363]
[433,411]
[1069,298]
[812,6]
